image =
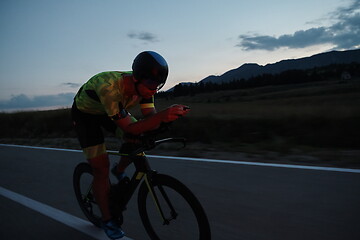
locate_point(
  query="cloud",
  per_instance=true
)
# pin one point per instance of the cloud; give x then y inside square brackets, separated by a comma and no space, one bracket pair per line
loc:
[343,34]
[71,85]
[22,101]
[144,36]
[344,12]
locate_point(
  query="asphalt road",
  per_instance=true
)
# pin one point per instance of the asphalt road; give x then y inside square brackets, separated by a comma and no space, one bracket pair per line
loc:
[242,201]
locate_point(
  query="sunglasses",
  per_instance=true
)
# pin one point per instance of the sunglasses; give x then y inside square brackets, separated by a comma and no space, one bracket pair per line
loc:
[152,84]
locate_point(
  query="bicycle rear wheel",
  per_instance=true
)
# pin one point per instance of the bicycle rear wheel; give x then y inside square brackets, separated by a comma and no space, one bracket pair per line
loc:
[82,181]
[185,217]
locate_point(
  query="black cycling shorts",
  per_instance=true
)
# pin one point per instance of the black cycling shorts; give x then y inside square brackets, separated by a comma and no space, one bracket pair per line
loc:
[89,127]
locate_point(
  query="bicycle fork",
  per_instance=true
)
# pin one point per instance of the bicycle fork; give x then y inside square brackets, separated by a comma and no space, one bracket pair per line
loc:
[149,183]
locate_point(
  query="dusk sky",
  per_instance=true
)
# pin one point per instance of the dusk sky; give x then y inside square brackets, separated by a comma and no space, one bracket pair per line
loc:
[48,48]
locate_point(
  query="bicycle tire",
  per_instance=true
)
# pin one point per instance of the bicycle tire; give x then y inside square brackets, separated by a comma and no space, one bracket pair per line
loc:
[181,191]
[87,203]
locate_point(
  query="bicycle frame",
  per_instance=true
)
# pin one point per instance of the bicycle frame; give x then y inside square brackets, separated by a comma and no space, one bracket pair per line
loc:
[144,171]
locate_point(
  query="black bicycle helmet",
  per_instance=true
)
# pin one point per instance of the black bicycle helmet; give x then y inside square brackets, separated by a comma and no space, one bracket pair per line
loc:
[151,69]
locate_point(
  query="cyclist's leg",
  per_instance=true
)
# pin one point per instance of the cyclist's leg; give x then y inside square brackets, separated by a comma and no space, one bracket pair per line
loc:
[100,165]
[124,162]
[88,128]
[127,147]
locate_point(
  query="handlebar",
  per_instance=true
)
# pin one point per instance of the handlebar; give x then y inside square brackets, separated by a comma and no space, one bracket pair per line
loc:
[181,140]
[148,141]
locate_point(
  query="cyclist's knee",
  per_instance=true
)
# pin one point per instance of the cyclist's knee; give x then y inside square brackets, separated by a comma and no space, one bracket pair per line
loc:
[100,165]
[94,151]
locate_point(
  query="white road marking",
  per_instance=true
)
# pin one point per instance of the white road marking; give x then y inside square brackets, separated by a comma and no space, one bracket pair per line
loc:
[345,170]
[332,169]
[42,148]
[58,215]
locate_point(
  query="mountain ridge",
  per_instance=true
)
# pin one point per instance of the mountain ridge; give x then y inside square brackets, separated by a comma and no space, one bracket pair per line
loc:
[249,70]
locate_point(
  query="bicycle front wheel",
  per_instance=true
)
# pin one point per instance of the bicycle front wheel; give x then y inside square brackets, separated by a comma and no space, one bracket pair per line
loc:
[82,181]
[183,216]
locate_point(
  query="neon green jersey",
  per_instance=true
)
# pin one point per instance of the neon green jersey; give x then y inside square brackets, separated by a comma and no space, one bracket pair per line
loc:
[105,93]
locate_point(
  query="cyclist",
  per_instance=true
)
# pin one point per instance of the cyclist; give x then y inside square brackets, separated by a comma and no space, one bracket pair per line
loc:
[103,101]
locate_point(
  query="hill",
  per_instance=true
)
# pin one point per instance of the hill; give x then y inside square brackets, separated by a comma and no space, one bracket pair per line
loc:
[250,70]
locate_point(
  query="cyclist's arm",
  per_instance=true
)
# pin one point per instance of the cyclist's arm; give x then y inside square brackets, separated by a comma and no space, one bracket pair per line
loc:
[146,112]
[151,122]
[147,107]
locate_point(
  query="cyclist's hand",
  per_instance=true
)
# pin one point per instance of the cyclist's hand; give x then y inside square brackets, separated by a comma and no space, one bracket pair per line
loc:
[174,112]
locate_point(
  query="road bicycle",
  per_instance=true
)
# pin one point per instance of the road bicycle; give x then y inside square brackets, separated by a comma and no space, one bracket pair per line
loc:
[167,208]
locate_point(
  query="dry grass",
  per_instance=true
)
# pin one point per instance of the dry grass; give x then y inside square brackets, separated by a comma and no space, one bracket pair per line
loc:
[330,100]
[321,118]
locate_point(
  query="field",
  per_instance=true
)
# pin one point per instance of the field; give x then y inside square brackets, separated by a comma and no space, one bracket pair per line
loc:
[305,122]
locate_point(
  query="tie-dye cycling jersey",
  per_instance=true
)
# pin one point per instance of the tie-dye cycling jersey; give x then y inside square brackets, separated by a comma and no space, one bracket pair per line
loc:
[105,93]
